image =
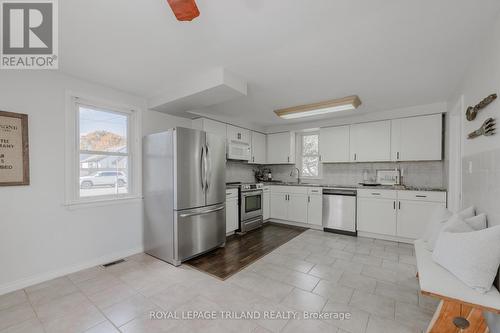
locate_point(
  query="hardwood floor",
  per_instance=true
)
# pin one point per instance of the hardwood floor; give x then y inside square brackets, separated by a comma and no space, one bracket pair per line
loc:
[241,251]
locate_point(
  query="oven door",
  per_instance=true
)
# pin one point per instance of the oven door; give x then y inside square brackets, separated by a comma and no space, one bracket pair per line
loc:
[251,204]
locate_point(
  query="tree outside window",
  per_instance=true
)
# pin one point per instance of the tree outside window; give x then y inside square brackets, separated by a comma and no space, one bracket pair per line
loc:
[310,163]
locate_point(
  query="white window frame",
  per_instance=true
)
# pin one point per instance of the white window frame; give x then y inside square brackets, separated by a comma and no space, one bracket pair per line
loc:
[300,155]
[134,153]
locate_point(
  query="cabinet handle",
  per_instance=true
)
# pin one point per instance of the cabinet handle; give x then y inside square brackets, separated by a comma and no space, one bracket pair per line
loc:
[320,158]
[355,157]
[375,193]
[253,159]
[397,155]
[288,158]
[399,207]
[394,205]
[421,196]
[308,198]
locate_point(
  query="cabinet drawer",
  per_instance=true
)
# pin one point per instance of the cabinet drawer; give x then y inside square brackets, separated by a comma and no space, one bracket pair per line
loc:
[315,191]
[374,193]
[422,196]
[289,189]
[231,193]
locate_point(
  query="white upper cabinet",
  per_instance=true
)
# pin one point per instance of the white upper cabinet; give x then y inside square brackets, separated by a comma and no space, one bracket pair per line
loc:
[281,148]
[259,148]
[370,142]
[238,134]
[334,144]
[417,138]
[210,126]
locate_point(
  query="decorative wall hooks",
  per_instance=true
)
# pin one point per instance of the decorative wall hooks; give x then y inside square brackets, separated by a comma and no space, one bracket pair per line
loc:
[472,111]
[487,129]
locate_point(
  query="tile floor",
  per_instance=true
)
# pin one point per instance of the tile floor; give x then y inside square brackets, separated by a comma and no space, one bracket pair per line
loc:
[372,280]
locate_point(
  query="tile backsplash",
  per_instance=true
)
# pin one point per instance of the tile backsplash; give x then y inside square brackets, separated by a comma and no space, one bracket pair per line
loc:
[422,174]
[239,172]
[481,183]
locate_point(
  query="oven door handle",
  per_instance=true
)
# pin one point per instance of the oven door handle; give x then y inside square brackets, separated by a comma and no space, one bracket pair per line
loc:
[247,194]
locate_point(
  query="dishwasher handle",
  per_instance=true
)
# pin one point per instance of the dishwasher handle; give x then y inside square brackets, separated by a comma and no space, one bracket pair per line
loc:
[348,193]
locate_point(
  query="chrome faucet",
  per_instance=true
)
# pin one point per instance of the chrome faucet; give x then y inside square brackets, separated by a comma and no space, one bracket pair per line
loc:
[298,174]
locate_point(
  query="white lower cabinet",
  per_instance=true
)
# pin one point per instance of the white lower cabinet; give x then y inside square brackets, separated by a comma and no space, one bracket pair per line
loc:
[296,204]
[315,207]
[266,204]
[377,215]
[279,206]
[297,207]
[400,214]
[232,216]
[415,210]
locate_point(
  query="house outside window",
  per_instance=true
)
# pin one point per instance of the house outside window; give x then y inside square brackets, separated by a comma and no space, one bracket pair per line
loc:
[105,157]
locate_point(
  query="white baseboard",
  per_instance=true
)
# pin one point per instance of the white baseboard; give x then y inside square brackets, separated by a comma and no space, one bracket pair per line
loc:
[386,237]
[39,278]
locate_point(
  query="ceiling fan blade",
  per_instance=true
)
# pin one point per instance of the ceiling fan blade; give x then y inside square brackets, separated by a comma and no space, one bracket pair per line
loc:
[184,10]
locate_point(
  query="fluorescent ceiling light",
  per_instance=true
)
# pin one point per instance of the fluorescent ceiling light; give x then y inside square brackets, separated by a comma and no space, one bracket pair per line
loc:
[315,109]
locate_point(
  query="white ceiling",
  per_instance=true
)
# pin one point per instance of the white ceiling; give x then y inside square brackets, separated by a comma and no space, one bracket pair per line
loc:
[392,53]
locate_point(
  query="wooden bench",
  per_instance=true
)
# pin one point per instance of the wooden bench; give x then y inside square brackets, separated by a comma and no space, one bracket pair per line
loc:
[457,299]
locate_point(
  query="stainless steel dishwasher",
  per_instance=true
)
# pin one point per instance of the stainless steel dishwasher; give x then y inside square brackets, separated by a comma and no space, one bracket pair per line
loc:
[339,211]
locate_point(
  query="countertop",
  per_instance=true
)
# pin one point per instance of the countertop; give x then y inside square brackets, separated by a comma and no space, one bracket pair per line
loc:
[380,187]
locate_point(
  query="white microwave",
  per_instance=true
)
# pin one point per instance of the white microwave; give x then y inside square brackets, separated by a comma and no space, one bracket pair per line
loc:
[237,150]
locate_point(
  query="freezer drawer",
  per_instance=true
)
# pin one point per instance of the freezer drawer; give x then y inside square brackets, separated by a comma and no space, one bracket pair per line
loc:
[200,230]
[339,212]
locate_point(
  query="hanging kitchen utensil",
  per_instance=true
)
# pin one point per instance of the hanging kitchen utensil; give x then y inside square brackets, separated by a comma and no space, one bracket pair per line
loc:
[184,10]
[487,129]
[472,111]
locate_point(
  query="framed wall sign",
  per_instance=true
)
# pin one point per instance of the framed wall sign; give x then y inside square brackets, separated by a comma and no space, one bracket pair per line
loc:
[14,149]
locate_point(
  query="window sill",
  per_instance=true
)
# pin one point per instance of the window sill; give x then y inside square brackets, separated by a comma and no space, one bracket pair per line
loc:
[97,202]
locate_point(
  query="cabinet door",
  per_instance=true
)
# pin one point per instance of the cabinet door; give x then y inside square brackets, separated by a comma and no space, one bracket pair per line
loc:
[238,134]
[297,207]
[231,215]
[315,210]
[210,126]
[370,142]
[281,148]
[377,216]
[279,206]
[266,205]
[334,144]
[417,138]
[258,148]
[413,217]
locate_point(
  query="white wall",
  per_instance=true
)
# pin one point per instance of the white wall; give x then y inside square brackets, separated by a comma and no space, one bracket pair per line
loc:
[154,122]
[40,238]
[480,156]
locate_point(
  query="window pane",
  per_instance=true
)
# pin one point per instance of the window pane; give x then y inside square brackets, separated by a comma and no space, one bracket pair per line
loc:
[310,145]
[102,131]
[103,175]
[310,166]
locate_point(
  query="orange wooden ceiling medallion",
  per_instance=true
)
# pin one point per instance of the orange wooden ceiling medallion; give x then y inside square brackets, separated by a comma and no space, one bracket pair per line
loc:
[184,10]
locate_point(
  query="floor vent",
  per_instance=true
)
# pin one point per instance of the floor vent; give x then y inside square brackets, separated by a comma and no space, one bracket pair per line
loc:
[113,263]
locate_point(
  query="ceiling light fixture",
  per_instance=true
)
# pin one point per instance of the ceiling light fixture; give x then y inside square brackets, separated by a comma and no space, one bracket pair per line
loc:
[315,109]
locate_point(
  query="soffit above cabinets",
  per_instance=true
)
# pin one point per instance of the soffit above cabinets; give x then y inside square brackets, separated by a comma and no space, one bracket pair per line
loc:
[198,92]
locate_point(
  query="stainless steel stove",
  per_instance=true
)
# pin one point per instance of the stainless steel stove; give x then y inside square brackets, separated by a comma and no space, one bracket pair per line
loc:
[250,201]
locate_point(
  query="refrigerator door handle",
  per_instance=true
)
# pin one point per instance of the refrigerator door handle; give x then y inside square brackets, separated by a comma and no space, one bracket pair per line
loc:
[203,169]
[202,212]
[208,169]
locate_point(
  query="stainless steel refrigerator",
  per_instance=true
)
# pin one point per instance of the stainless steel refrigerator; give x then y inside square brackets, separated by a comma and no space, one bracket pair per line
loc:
[184,174]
